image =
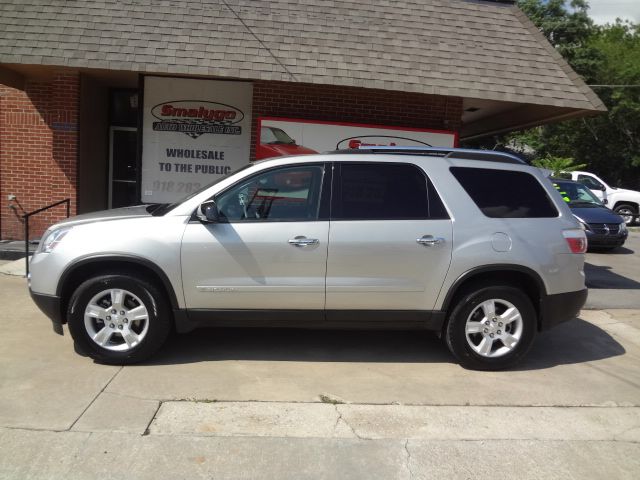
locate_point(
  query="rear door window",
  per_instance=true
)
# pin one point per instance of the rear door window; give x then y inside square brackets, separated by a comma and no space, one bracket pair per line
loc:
[384,191]
[505,193]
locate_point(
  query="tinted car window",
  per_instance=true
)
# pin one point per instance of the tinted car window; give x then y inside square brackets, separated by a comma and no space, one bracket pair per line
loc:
[383,191]
[505,193]
[282,194]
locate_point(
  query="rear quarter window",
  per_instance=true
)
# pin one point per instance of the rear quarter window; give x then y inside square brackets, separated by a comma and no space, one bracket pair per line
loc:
[505,193]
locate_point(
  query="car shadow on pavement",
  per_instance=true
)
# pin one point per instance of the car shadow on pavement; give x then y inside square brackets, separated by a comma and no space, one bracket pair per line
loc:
[615,251]
[302,345]
[576,341]
[598,276]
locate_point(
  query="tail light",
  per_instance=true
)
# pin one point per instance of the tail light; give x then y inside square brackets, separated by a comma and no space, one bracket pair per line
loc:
[576,239]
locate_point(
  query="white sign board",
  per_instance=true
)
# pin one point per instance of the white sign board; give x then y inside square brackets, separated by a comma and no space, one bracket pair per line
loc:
[194,131]
[283,136]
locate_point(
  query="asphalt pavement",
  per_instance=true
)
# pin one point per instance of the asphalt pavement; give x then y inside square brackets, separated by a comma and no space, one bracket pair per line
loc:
[613,278]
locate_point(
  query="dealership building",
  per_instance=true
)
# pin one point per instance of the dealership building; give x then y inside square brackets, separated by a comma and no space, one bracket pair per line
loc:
[109,103]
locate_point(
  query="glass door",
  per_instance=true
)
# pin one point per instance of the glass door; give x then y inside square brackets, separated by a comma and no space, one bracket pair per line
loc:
[123,150]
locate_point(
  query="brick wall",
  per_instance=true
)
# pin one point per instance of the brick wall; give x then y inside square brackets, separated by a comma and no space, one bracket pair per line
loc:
[351,104]
[38,151]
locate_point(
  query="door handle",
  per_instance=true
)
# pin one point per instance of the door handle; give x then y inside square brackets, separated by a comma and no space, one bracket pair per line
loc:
[430,240]
[302,241]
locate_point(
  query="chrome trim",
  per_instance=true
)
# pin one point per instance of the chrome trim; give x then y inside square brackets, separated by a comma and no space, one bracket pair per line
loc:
[303,241]
[430,240]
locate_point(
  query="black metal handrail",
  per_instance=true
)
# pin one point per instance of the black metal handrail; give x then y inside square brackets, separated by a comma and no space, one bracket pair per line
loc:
[26,217]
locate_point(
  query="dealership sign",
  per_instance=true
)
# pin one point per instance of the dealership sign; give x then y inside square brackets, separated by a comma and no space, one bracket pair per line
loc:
[286,136]
[194,131]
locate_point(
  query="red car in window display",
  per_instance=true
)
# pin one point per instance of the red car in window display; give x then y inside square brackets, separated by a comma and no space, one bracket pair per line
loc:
[274,142]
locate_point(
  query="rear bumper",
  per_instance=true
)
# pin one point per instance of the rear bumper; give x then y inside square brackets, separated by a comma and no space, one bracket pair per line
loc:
[50,306]
[561,307]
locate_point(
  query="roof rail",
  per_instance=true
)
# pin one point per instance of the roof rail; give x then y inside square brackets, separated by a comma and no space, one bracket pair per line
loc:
[444,152]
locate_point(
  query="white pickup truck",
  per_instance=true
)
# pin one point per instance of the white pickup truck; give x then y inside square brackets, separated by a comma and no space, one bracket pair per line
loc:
[625,203]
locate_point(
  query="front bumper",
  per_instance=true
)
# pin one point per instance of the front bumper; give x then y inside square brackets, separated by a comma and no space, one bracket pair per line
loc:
[555,309]
[603,240]
[50,305]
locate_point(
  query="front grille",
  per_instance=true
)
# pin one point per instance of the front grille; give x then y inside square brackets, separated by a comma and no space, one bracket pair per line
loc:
[605,228]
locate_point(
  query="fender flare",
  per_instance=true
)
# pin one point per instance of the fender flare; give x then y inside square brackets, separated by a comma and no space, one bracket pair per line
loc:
[131,259]
[494,268]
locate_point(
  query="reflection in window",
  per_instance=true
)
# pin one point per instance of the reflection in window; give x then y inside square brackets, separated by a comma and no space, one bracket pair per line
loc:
[286,194]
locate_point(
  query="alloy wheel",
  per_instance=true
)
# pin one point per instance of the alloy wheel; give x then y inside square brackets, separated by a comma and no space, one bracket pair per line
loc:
[116,319]
[494,328]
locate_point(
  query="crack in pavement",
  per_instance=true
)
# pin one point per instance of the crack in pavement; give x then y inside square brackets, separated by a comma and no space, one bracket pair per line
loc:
[335,426]
[153,417]
[353,430]
[95,398]
[408,462]
[432,440]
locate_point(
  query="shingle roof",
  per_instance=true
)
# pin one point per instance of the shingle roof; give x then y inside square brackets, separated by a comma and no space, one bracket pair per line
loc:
[461,48]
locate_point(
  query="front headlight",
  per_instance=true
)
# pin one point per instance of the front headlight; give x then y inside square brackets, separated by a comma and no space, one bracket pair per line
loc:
[623,227]
[52,240]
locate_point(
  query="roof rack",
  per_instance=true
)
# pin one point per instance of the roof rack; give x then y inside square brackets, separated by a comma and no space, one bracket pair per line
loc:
[443,152]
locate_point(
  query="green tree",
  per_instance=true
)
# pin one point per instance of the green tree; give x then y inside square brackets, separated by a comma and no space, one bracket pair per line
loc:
[567,29]
[558,165]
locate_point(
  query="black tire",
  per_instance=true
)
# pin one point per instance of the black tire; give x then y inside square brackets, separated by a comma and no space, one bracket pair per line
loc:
[468,303]
[159,318]
[626,210]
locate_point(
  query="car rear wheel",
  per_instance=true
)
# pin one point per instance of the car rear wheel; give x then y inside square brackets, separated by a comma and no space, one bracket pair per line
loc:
[627,212]
[117,319]
[491,328]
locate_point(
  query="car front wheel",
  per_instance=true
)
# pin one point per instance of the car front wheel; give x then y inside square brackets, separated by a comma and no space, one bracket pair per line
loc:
[627,212]
[118,319]
[491,328]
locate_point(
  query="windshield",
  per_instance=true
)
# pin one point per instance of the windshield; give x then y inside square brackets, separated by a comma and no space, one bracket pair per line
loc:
[577,195]
[275,136]
[163,208]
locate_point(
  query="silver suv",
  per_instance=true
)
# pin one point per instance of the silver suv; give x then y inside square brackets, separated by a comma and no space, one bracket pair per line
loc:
[477,246]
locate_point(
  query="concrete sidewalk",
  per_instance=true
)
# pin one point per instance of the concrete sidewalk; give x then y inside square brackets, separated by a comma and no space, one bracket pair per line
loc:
[281,404]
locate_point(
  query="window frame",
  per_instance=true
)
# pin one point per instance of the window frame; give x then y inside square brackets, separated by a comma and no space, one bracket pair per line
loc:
[323,192]
[336,195]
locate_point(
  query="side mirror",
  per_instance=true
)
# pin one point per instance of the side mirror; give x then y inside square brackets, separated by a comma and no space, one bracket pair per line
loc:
[208,212]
